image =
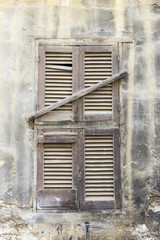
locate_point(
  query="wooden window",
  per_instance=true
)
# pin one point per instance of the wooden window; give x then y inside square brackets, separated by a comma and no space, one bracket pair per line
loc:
[64,71]
[78,164]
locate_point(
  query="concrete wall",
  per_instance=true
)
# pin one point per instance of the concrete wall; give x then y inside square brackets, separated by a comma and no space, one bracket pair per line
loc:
[135,25]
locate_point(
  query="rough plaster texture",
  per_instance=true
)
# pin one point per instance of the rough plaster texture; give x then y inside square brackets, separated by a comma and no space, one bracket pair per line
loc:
[136,26]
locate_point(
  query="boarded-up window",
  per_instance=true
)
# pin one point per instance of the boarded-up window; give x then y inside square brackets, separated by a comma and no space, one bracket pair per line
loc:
[79,163]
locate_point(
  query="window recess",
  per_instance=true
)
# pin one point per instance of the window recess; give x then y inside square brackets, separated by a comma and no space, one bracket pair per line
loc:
[78,167]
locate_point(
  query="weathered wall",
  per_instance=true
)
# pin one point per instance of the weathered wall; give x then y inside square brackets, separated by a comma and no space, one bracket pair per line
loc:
[136,26]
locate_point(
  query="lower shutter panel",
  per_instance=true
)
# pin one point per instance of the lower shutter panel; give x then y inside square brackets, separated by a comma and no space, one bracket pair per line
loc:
[57,166]
[99,172]
[57,178]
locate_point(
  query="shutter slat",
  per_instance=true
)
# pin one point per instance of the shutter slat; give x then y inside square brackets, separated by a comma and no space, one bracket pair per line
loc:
[107,70]
[65,63]
[98,54]
[60,54]
[57,166]
[66,82]
[59,77]
[97,62]
[101,74]
[99,169]
[57,186]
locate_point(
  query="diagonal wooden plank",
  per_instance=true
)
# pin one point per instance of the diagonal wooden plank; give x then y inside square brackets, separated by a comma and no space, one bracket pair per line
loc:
[77,95]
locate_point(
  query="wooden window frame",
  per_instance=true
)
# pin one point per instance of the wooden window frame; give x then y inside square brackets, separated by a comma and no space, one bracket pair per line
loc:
[74,198]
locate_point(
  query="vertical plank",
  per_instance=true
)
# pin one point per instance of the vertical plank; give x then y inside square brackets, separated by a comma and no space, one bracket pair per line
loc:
[75,82]
[41,78]
[78,81]
[76,167]
[115,86]
[40,165]
[116,147]
[81,156]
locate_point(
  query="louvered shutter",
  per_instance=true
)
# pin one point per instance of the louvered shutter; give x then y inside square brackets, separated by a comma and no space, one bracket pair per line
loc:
[57,80]
[57,187]
[78,164]
[101,172]
[97,64]
[99,168]
[57,166]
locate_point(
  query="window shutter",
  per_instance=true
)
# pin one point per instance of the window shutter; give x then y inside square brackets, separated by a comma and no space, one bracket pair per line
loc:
[99,171]
[99,63]
[101,176]
[56,80]
[57,187]
[79,164]
[98,66]
[57,166]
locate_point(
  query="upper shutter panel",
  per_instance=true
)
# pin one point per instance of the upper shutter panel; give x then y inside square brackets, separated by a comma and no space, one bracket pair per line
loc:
[56,81]
[98,66]
[58,78]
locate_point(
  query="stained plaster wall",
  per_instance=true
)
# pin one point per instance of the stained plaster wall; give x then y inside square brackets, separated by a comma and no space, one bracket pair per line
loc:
[135,25]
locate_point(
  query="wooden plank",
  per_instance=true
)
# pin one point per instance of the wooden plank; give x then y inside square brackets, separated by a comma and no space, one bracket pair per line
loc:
[75,82]
[57,138]
[92,131]
[115,91]
[77,95]
[76,170]
[96,49]
[60,67]
[81,152]
[41,74]
[117,170]
[78,106]
[92,117]
[58,198]
[40,164]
